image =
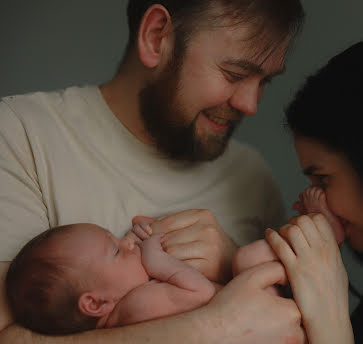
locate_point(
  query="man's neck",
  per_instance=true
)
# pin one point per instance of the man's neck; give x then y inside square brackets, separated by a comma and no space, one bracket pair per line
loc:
[122,97]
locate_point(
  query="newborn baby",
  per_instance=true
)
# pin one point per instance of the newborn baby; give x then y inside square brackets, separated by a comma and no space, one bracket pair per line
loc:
[80,277]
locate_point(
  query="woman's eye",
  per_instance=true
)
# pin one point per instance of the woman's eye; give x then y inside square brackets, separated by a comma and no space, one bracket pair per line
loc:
[320,180]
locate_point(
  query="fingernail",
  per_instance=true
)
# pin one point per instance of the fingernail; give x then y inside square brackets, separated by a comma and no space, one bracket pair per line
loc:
[146,227]
[149,229]
[268,231]
[136,227]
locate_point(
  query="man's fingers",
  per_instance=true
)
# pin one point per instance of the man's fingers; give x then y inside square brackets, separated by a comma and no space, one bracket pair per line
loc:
[189,234]
[139,219]
[185,219]
[190,250]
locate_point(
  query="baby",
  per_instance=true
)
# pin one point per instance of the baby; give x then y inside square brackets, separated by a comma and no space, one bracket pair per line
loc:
[80,277]
[312,200]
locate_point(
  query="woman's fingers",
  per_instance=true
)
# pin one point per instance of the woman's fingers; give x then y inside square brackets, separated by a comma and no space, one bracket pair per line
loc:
[281,248]
[295,238]
[308,228]
[323,226]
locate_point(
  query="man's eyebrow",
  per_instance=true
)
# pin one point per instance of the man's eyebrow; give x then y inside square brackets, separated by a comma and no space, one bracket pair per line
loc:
[251,66]
[308,171]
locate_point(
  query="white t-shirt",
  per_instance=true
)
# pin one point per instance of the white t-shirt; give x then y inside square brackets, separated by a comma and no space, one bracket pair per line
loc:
[65,158]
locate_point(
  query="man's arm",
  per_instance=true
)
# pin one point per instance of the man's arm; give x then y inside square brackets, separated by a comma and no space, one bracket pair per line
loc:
[242,312]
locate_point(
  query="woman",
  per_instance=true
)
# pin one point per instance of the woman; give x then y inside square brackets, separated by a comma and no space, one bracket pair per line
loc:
[325,118]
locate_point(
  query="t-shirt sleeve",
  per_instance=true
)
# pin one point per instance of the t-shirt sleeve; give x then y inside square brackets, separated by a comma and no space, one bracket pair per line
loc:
[23,213]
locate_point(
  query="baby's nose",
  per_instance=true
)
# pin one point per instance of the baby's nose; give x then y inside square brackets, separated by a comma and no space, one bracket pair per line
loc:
[129,242]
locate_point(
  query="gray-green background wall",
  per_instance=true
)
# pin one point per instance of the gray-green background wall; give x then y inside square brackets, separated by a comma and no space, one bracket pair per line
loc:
[49,45]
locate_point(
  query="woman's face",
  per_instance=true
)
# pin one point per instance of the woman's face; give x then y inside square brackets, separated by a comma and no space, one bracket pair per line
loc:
[342,185]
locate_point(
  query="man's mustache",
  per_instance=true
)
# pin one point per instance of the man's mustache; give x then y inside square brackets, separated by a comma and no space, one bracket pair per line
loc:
[225,112]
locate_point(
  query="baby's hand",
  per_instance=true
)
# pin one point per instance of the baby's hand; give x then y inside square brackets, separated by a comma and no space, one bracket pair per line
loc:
[140,232]
[153,243]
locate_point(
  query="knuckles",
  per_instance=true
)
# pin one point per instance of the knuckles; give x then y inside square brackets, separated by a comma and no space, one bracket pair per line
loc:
[206,214]
[303,220]
[316,218]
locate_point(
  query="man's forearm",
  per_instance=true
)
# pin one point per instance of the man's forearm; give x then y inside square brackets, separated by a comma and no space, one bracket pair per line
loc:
[183,328]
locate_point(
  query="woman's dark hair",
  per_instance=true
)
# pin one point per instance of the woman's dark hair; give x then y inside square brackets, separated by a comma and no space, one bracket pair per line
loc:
[282,17]
[329,107]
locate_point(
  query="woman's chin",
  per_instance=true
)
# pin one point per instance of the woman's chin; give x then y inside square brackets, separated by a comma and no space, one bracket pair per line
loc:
[355,237]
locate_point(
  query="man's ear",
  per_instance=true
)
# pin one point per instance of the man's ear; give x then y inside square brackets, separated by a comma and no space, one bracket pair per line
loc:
[94,304]
[154,30]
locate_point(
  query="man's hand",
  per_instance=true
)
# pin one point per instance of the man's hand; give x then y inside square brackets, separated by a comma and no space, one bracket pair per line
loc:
[195,237]
[249,314]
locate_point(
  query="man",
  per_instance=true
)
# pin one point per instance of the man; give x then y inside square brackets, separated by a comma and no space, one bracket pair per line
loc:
[154,141]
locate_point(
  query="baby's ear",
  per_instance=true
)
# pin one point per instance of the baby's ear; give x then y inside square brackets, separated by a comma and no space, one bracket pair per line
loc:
[95,304]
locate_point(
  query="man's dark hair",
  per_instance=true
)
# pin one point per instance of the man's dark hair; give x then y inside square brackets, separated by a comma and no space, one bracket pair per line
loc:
[279,17]
[329,107]
[41,293]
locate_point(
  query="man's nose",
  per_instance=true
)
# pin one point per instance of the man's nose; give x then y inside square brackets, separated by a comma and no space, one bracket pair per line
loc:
[246,96]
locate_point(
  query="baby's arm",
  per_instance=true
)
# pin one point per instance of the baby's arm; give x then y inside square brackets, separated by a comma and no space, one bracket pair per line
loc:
[165,268]
[176,287]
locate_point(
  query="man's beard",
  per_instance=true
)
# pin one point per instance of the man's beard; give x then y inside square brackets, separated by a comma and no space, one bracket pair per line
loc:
[163,118]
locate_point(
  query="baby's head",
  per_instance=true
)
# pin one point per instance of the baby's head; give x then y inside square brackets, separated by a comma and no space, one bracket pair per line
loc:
[68,278]
[325,118]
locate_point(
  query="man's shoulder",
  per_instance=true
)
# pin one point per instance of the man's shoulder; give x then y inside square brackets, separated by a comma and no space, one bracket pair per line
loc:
[39,103]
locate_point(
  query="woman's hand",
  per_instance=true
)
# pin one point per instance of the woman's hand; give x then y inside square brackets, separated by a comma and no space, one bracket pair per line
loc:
[308,249]
[195,237]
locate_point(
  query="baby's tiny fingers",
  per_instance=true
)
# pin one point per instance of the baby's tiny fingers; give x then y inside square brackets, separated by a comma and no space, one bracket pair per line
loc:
[146,227]
[138,241]
[140,232]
